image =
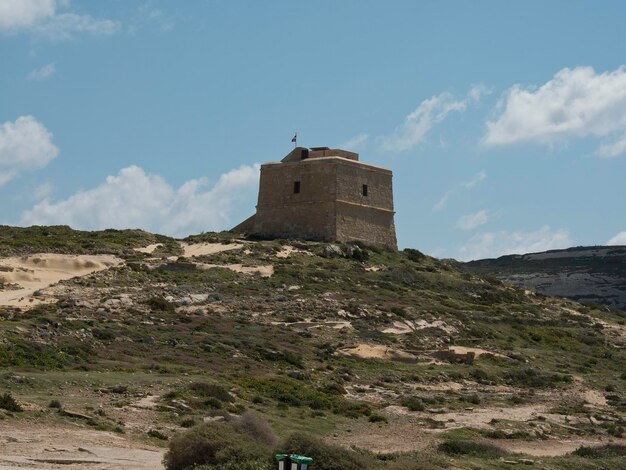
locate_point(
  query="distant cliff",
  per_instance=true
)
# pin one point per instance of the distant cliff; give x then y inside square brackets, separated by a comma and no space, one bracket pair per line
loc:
[586,274]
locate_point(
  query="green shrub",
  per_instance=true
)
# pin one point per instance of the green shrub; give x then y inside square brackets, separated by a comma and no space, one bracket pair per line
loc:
[256,464]
[218,444]
[608,450]
[103,334]
[159,304]
[376,418]
[188,423]
[55,404]
[413,404]
[256,427]
[325,456]
[157,434]
[473,448]
[414,255]
[7,402]
[208,390]
[533,378]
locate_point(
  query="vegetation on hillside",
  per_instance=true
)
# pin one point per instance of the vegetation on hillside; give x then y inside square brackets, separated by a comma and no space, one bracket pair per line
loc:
[342,341]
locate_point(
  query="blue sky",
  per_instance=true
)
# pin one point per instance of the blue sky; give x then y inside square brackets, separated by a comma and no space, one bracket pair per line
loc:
[504,122]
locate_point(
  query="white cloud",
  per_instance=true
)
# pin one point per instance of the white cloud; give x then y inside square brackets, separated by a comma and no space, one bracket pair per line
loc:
[25,145]
[355,143]
[42,73]
[44,190]
[443,202]
[16,14]
[471,184]
[41,17]
[575,103]
[134,199]
[471,221]
[426,116]
[6,176]
[494,244]
[619,239]
[479,178]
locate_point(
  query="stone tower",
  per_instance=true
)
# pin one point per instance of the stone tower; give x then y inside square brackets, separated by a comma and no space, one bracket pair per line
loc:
[324,194]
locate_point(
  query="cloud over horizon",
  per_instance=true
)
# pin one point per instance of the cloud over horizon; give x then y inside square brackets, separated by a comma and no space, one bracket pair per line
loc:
[472,221]
[495,244]
[135,199]
[25,145]
[619,239]
[576,103]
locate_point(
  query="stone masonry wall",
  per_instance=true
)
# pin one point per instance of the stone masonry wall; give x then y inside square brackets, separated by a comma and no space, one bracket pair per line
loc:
[308,214]
[330,205]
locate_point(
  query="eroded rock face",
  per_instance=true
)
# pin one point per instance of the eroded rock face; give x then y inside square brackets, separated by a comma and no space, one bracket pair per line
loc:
[585,274]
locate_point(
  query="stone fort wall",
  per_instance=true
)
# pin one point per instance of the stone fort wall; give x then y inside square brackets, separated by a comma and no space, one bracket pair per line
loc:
[330,205]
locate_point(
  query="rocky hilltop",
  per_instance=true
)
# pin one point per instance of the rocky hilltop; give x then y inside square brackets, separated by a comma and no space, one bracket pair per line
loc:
[118,348]
[595,274]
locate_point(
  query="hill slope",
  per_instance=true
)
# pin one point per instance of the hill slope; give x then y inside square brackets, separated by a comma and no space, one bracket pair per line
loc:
[586,274]
[390,352]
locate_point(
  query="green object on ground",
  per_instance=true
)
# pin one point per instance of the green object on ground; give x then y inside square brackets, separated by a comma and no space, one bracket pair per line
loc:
[300,459]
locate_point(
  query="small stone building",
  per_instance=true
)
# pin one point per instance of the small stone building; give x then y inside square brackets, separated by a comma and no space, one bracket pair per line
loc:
[324,194]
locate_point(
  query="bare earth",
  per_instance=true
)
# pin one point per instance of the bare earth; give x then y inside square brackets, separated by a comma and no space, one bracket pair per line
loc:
[38,272]
[201,249]
[24,446]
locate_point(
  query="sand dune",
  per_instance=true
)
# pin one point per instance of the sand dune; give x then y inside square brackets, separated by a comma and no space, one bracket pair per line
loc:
[149,249]
[28,274]
[200,249]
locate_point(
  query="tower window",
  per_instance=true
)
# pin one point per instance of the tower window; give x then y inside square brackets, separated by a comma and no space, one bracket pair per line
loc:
[296,187]
[365,190]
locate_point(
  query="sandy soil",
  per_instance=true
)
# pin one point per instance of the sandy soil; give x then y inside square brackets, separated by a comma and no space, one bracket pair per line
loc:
[149,249]
[286,251]
[480,417]
[200,249]
[477,351]
[551,447]
[40,271]
[407,326]
[385,439]
[24,446]
[407,432]
[263,270]
[376,351]
[593,397]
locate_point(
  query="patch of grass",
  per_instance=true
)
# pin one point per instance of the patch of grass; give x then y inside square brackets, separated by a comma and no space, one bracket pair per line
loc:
[220,444]
[533,378]
[7,402]
[414,404]
[210,390]
[471,448]
[601,452]
[325,456]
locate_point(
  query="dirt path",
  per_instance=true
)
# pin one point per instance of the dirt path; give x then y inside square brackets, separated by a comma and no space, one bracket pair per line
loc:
[551,447]
[26,446]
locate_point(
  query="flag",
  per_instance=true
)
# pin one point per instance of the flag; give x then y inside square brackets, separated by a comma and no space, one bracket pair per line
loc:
[295,137]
